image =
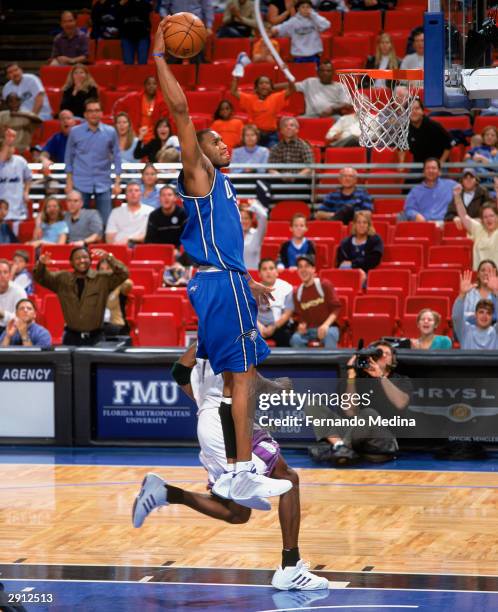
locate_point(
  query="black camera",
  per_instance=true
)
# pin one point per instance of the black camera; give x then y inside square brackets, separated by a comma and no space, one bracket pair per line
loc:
[363,356]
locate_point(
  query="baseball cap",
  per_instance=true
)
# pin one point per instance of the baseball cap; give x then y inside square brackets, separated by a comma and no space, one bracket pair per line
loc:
[309,258]
[471,171]
[23,254]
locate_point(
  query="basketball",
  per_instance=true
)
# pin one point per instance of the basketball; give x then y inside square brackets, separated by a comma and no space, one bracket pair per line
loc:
[185,35]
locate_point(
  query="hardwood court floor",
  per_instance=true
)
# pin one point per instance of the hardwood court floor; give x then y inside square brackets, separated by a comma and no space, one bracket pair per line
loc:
[391,521]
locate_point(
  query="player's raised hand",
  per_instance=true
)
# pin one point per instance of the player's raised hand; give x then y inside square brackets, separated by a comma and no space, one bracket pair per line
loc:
[158,46]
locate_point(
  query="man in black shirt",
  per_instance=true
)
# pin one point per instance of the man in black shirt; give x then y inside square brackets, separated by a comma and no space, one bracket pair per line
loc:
[389,394]
[426,138]
[166,223]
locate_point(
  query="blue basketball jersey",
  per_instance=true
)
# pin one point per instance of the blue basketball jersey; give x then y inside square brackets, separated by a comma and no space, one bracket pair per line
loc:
[213,233]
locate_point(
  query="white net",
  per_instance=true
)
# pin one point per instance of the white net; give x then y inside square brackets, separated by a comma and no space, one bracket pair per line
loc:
[383,111]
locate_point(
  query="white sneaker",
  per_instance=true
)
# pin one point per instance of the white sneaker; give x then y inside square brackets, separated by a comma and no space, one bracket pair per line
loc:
[151,495]
[238,71]
[221,488]
[298,577]
[248,484]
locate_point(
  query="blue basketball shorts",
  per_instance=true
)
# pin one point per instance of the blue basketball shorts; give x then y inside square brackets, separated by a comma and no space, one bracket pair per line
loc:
[228,334]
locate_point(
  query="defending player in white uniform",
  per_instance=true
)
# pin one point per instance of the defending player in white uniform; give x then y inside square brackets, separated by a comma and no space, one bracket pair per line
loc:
[206,389]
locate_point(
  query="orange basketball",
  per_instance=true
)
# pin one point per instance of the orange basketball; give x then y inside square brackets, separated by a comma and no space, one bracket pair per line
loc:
[185,35]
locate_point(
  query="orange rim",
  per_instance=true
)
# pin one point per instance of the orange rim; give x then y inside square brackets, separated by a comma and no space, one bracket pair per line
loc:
[394,75]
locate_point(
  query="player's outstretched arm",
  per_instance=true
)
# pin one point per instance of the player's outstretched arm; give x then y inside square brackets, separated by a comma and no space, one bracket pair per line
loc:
[197,169]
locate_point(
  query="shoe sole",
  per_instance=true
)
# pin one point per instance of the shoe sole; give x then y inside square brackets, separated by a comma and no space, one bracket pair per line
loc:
[135,503]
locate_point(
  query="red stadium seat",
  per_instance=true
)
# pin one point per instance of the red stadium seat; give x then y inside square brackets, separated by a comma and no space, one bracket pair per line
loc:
[295,104]
[367,21]
[347,63]
[346,282]
[54,76]
[108,98]
[156,265]
[302,71]
[345,46]
[414,304]
[345,155]
[335,18]
[327,229]
[450,257]
[394,282]
[453,235]
[400,38]
[461,122]
[482,121]
[417,231]
[120,251]
[370,327]
[331,246]
[145,278]
[54,97]
[442,282]
[164,252]
[394,21]
[291,276]
[106,75]
[203,102]
[53,317]
[388,304]
[7,251]
[387,207]
[158,329]
[285,210]
[404,256]
[131,78]
[314,129]
[26,229]
[215,76]
[228,48]
[279,229]
[270,249]
[58,251]
[173,304]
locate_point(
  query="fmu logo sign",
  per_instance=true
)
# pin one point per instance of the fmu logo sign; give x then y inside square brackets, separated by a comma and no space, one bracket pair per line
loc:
[142,402]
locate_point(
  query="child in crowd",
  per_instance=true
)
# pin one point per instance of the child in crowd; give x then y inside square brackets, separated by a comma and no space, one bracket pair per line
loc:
[260,52]
[19,272]
[298,245]
[304,30]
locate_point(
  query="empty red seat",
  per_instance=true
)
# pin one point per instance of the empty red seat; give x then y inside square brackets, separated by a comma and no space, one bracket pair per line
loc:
[286,209]
[291,276]
[314,129]
[53,317]
[388,207]
[347,282]
[278,229]
[416,231]
[444,282]
[346,46]
[387,304]
[407,256]
[461,122]
[228,48]
[399,39]
[335,18]
[164,252]
[215,76]
[394,21]
[26,229]
[158,329]
[448,256]
[165,303]
[368,21]
[270,250]
[370,327]
[345,155]
[394,282]
[203,102]
[327,229]
[54,76]
[106,75]
[145,278]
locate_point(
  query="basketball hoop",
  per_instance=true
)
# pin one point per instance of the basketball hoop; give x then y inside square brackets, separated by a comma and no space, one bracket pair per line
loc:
[383,112]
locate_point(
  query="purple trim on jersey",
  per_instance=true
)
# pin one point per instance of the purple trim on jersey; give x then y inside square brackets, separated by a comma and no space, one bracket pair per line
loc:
[267,456]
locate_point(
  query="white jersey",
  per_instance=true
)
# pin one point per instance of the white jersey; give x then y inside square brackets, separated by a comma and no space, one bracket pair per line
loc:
[207,388]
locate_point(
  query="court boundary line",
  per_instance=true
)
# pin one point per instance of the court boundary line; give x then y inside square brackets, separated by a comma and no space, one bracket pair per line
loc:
[251,569]
[229,584]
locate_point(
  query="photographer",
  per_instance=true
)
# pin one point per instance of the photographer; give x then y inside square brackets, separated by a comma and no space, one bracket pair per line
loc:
[369,371]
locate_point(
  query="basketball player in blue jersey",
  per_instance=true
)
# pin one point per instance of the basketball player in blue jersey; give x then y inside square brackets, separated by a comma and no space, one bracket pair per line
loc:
[222,293]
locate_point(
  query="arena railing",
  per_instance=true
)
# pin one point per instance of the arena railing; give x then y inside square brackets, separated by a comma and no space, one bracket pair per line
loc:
[383,181]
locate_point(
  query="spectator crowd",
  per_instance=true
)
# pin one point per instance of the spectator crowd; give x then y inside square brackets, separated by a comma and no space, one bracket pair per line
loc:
[316,267]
